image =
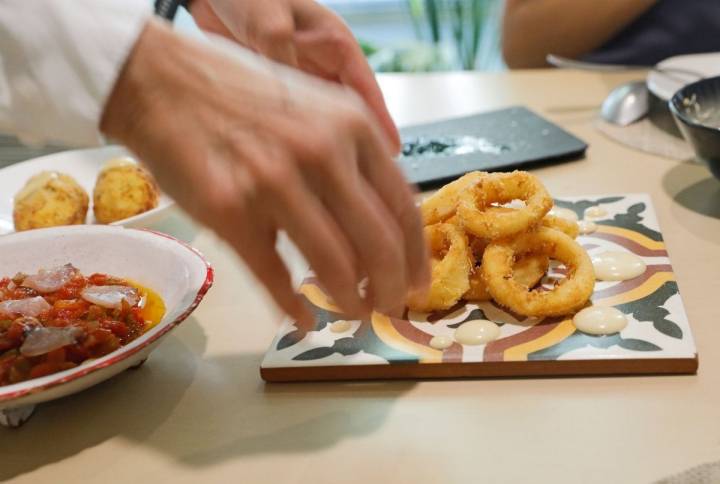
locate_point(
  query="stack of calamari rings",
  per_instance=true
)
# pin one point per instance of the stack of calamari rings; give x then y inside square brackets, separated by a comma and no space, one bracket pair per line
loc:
[491,238]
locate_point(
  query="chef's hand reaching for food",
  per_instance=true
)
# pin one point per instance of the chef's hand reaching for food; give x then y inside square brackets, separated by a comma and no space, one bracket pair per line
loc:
[302,34]
[250,147]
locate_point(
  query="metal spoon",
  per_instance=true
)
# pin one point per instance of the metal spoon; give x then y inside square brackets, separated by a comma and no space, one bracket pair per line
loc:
[626,103]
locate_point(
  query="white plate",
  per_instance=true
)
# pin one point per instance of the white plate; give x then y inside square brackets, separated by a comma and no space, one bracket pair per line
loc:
[173,269]
[664,85]
[83,166]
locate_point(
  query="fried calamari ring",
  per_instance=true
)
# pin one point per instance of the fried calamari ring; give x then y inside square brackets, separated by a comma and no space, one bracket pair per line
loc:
[481,218]
[441,205]
[451,261]
[568,227]
[527,271]
[478,290]
[454,220]
[567,296]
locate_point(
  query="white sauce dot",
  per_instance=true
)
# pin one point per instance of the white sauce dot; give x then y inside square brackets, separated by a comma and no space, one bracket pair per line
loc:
[600,320]
[565,213]
[587,227]
[595,213]
[617,266]
[340,326]
[477,332]
[441,342]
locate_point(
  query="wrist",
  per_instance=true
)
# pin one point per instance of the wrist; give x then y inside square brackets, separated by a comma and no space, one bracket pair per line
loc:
[141,83]
[168,8]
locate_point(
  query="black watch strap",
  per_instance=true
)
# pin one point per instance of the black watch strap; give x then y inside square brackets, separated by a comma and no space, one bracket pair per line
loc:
[168,8]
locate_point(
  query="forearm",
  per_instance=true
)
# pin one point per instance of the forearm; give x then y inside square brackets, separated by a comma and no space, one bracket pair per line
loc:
[534,28]
[58,63]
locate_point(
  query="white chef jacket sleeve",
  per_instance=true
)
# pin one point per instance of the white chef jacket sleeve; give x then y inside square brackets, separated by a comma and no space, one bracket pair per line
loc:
[59,60]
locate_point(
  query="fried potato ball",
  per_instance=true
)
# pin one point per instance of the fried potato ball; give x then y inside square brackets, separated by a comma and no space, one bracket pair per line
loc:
[123,189]
[50,199]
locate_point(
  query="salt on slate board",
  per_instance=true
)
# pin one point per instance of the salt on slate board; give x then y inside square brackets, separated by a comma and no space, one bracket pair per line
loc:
[491,141]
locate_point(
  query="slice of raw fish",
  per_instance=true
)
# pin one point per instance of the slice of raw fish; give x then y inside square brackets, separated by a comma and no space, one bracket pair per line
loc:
[41,340]
[110,296]
[31,306]
[50,280]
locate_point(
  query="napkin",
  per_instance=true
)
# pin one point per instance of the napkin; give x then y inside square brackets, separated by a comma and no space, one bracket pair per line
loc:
[646,136]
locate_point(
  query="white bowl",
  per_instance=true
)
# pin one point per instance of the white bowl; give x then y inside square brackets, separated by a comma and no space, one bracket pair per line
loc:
[83,166]
[680,71]
[175,270]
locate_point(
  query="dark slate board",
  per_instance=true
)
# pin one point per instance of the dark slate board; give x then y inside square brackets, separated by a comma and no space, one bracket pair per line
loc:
[492,141]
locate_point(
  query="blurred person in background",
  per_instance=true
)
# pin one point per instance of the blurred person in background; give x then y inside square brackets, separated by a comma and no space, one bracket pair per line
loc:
[276,124]
[633,32]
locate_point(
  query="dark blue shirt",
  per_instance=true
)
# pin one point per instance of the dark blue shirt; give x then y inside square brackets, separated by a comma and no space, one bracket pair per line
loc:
[670,27]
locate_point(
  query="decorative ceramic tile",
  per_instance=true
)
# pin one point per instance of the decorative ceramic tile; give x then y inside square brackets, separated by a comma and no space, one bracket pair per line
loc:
[657,338]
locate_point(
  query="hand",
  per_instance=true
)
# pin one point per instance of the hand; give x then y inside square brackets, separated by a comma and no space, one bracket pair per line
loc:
[302,34]
[250,147]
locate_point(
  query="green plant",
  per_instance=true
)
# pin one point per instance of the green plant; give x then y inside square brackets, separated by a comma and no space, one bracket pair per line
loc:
[367,48]
[464,20]
[417,57]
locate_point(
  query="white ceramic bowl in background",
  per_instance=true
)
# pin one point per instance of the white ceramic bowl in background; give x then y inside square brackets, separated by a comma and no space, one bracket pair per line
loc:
[83,166]
[175,270]
[665,84]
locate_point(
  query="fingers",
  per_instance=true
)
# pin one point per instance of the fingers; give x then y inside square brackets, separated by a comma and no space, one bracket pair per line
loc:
[265,28]
[336,56]
[207,19]
[268,186]
[315,233]
[227,208]
[370,228]
[375,209]
[280,52]
[357,74]
[274,39]
[269,31]
[329,47]
[263,260]
[320,44]
[384,175]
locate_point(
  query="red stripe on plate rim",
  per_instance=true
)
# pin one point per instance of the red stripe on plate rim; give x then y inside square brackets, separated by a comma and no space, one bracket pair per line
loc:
[124,354]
